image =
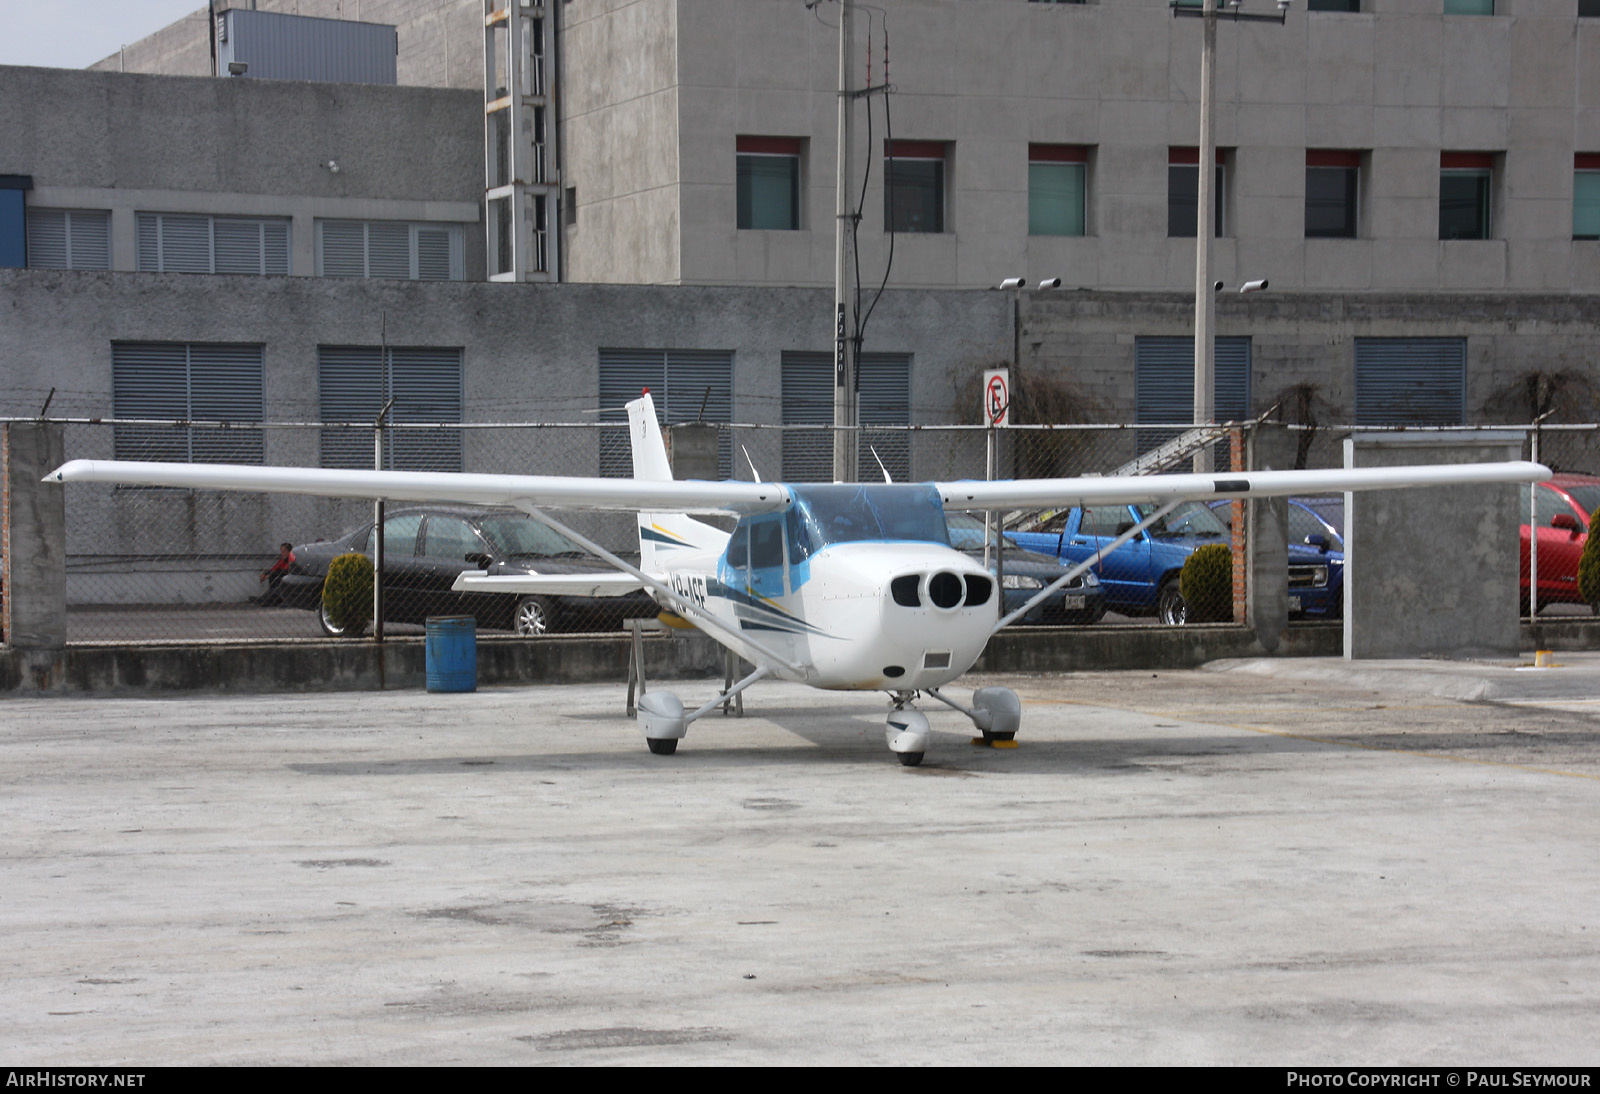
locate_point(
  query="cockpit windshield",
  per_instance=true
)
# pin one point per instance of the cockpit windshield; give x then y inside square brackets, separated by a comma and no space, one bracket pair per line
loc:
[853,512]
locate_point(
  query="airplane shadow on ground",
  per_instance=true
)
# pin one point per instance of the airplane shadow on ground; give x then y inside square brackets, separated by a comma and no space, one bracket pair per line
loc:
[801,736]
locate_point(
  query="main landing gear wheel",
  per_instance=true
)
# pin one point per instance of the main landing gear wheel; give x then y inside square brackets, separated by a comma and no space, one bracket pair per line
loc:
[662,719]
[909,759]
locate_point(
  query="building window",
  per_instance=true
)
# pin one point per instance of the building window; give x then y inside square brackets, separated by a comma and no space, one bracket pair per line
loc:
[1332,194]
[1589,9]
[688,385]
[1163,383]
[1469,7]
[184,382]
[187,243]
[914,186]
[69,239]
[1411,381]
[1183,192]
[354,382]
[1465,193]
[1057,175]
[389,248]
[884,383]
[1586,196]
[768,171]
[1333,5]
[13,222]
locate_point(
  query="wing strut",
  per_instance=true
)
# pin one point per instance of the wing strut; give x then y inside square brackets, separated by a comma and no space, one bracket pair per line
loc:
[701,616]
[1087,563]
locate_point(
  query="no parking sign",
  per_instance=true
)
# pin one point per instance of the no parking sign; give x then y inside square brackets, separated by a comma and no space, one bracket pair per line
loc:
[997,396]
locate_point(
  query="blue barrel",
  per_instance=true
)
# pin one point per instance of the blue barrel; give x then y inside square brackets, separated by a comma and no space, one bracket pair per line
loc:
[452,653]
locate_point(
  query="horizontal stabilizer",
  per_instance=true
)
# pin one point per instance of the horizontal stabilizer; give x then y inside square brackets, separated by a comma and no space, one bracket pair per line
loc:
[479,581]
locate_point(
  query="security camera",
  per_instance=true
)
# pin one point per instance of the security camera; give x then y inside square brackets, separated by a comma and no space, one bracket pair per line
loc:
[1050,283]
[1254,286]
[1217,287]
[1012,283]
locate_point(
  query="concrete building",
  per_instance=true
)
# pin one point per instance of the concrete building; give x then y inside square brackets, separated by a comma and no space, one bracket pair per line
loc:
[1433,145]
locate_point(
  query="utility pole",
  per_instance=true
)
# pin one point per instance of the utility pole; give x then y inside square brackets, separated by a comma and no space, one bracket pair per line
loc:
[1205,345]
[844,318]
[1205,370]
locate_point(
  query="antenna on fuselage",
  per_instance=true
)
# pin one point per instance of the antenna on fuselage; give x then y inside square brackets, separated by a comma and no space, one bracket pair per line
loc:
[755,475]
[882,468]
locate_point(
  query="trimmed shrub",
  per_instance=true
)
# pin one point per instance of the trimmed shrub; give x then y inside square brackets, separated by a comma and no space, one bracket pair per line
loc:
[1206,583]
[1589,571]
[347,593]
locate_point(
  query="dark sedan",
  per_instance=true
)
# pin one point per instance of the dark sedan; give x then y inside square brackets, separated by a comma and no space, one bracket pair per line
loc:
[1024,573]
[426,548]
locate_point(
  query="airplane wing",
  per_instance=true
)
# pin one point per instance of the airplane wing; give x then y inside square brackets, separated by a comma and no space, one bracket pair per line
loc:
[1111,490]
[739,498]
[606,584]
[558,492]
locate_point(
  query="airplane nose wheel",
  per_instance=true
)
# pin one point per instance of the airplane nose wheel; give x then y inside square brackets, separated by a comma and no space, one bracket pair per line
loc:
[907,732]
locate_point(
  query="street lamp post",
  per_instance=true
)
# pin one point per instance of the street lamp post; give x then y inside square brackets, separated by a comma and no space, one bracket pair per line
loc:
[1205,374]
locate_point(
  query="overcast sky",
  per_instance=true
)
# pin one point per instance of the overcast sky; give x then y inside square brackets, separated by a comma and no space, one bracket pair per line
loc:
[77,33]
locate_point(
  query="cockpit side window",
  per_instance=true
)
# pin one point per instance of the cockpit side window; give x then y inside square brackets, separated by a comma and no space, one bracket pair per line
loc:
[766,544]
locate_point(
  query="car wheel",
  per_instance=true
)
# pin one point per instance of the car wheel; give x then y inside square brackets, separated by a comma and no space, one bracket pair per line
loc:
[354,630]
[533,617]
[1170,606]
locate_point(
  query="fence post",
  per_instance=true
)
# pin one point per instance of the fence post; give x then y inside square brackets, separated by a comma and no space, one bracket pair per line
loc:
[34,528]
[1533,532]
[1272,447]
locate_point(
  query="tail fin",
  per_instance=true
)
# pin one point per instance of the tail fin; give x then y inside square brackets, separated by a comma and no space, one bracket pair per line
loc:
[662,533]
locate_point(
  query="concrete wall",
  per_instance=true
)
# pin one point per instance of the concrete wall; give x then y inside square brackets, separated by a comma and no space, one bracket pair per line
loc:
[530,353]
[132,143]
[1425,570]
[621,110]
[1086,340]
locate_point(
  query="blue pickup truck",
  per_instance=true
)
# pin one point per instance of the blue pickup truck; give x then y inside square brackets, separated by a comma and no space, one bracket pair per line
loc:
[1141,576]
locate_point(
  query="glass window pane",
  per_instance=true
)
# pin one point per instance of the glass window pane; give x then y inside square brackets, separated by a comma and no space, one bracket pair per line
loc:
[913,200]
[1331,202]
[1333,5]
[1469,7]
[769,192]
[1182,198]
[1055,199]
[1464,204]
[1586,205]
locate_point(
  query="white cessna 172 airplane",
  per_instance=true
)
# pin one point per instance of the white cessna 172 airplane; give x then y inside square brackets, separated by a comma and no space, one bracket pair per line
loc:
[849,587]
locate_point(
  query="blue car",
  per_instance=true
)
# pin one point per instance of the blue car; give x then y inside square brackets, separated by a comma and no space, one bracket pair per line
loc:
[1141,576]
[1316,554]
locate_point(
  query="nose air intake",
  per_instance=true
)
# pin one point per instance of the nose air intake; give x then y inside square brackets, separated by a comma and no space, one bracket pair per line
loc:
[944,589]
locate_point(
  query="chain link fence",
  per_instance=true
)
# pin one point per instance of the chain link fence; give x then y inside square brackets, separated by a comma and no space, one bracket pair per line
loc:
[158,565]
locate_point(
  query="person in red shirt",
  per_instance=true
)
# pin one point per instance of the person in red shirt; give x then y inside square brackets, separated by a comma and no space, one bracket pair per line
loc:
[273,576]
